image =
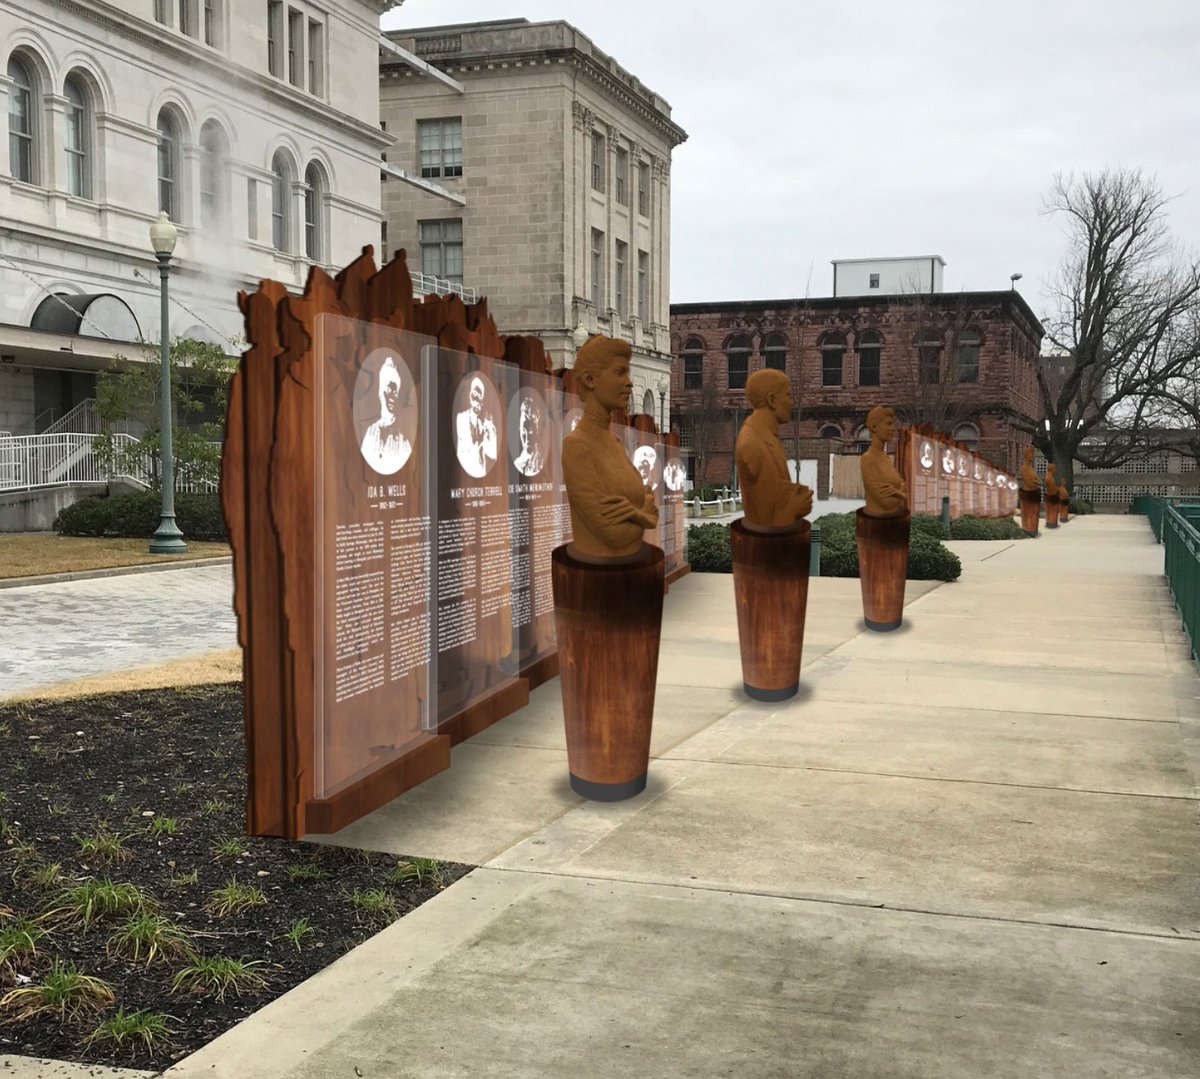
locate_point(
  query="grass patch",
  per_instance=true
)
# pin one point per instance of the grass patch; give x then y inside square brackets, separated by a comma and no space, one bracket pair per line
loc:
[421,870]
[65,992]
[234,898]
[298,930]
[214,807]
[33,554]
[306,874]
[161,826]
[19,937]
[150,935]
[141,1029]
[104,847]
[374,905]
[218,975]
[94,900]
[229,848]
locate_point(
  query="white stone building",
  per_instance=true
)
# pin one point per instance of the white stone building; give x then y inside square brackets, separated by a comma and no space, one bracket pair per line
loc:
[253,123]
[534,169]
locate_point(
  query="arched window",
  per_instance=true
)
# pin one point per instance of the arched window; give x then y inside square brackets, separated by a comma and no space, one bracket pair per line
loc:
[693,363]
[737,353]
[929,358]
[648,402]
[870,348]
[862,440]
[169,156]
[775,352]
[78,138]
[968,434]
[968,355]
[831,430]
[213,214]
[22,122]
[314,212]
[833,349]
[281,183]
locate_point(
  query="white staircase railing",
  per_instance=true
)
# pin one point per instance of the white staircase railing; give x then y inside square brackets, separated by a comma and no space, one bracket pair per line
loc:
[82,419]
[57,460]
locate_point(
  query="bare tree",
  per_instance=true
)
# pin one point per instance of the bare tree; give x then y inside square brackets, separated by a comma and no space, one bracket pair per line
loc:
[933,382]
[703,424]
[1124,325]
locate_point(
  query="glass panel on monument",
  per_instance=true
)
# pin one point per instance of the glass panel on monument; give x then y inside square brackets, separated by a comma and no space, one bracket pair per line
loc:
[371,553]
[475,530]
[672,517]
[535,434]
[647,457]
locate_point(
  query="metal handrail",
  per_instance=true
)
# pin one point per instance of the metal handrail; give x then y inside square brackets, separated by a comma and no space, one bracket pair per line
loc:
[431,285]
[1181,564]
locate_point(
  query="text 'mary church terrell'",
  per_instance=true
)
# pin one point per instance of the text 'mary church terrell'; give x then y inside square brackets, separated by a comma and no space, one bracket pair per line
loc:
[963,361]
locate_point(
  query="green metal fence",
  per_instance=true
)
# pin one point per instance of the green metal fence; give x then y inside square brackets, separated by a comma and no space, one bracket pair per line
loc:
[1176,524]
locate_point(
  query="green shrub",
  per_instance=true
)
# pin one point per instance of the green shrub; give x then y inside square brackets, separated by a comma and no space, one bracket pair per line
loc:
[137,516]
[927,525]
[708,549]
[929,560]
[1080,506]
[970,527]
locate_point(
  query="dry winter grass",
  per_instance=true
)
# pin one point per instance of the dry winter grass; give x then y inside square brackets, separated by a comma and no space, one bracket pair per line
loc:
[29,554]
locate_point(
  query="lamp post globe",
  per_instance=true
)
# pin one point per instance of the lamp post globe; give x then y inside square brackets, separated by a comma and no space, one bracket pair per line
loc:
[168,539]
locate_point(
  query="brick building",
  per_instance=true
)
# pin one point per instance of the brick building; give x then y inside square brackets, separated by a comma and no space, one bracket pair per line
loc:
[962,361]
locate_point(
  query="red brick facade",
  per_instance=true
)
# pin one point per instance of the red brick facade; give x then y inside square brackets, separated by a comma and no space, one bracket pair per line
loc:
[949,328]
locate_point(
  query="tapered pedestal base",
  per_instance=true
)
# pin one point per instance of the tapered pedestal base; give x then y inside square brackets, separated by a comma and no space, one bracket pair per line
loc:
[1031,508]
[770,587]
[882,568]
[1051,512]
[1064,510]
[609,621]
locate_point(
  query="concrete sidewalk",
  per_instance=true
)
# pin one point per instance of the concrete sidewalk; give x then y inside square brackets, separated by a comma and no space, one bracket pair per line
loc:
[969,848]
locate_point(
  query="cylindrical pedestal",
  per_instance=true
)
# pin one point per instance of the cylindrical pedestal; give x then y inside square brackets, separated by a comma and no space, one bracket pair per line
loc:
[882,568]
[770,586]
[1064,510]
[1031,508]
[609,620]
[1051,512]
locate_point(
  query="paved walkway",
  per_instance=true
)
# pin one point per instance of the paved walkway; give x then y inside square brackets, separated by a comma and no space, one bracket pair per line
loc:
[74,629]
[968,849]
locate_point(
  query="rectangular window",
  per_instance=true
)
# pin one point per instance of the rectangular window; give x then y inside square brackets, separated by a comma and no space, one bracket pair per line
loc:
[275,37]
[968,360]
[20,132]
[316,58]
[621,260]
[252,209]
[598,161]
[873,281]
[622,176]
[644,189]
[187,24]
[210,22]
[597,269]
[76,147]
[295,46]
[868,366]
[693,372]
[930,364]
[442,249]
[643,284]
[383,154]
[383,241]
[831,367]
[162,11]
[739,369]
[441,147]
[278,212]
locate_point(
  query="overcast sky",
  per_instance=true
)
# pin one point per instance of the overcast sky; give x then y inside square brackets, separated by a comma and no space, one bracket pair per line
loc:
[837,129]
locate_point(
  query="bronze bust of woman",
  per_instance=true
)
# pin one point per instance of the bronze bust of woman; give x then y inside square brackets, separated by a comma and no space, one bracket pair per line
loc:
[610,506]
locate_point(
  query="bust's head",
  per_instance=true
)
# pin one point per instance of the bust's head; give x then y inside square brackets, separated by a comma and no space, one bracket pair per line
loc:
[770,389]
[881,421]
[1029,455]
[602,370]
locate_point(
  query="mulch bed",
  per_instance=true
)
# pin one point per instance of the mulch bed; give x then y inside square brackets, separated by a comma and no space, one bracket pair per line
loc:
[119,762]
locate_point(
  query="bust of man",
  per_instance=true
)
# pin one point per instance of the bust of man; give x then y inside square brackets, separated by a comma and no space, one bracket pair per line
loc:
[885,490]
[1051,482]
[1029,476]
[769,497]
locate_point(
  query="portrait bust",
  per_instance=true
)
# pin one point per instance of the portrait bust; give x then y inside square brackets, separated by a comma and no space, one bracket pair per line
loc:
[1029,476]
[610,506]
[883,487]
[770,499]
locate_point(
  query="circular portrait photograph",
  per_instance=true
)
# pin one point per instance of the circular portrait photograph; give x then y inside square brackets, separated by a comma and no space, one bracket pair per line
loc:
[1001,479]
[476,424]
[674,475]
[978,471]
[528,431]
[962,465]
[948,462]
[644,459]
[385,411]
[927,455]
